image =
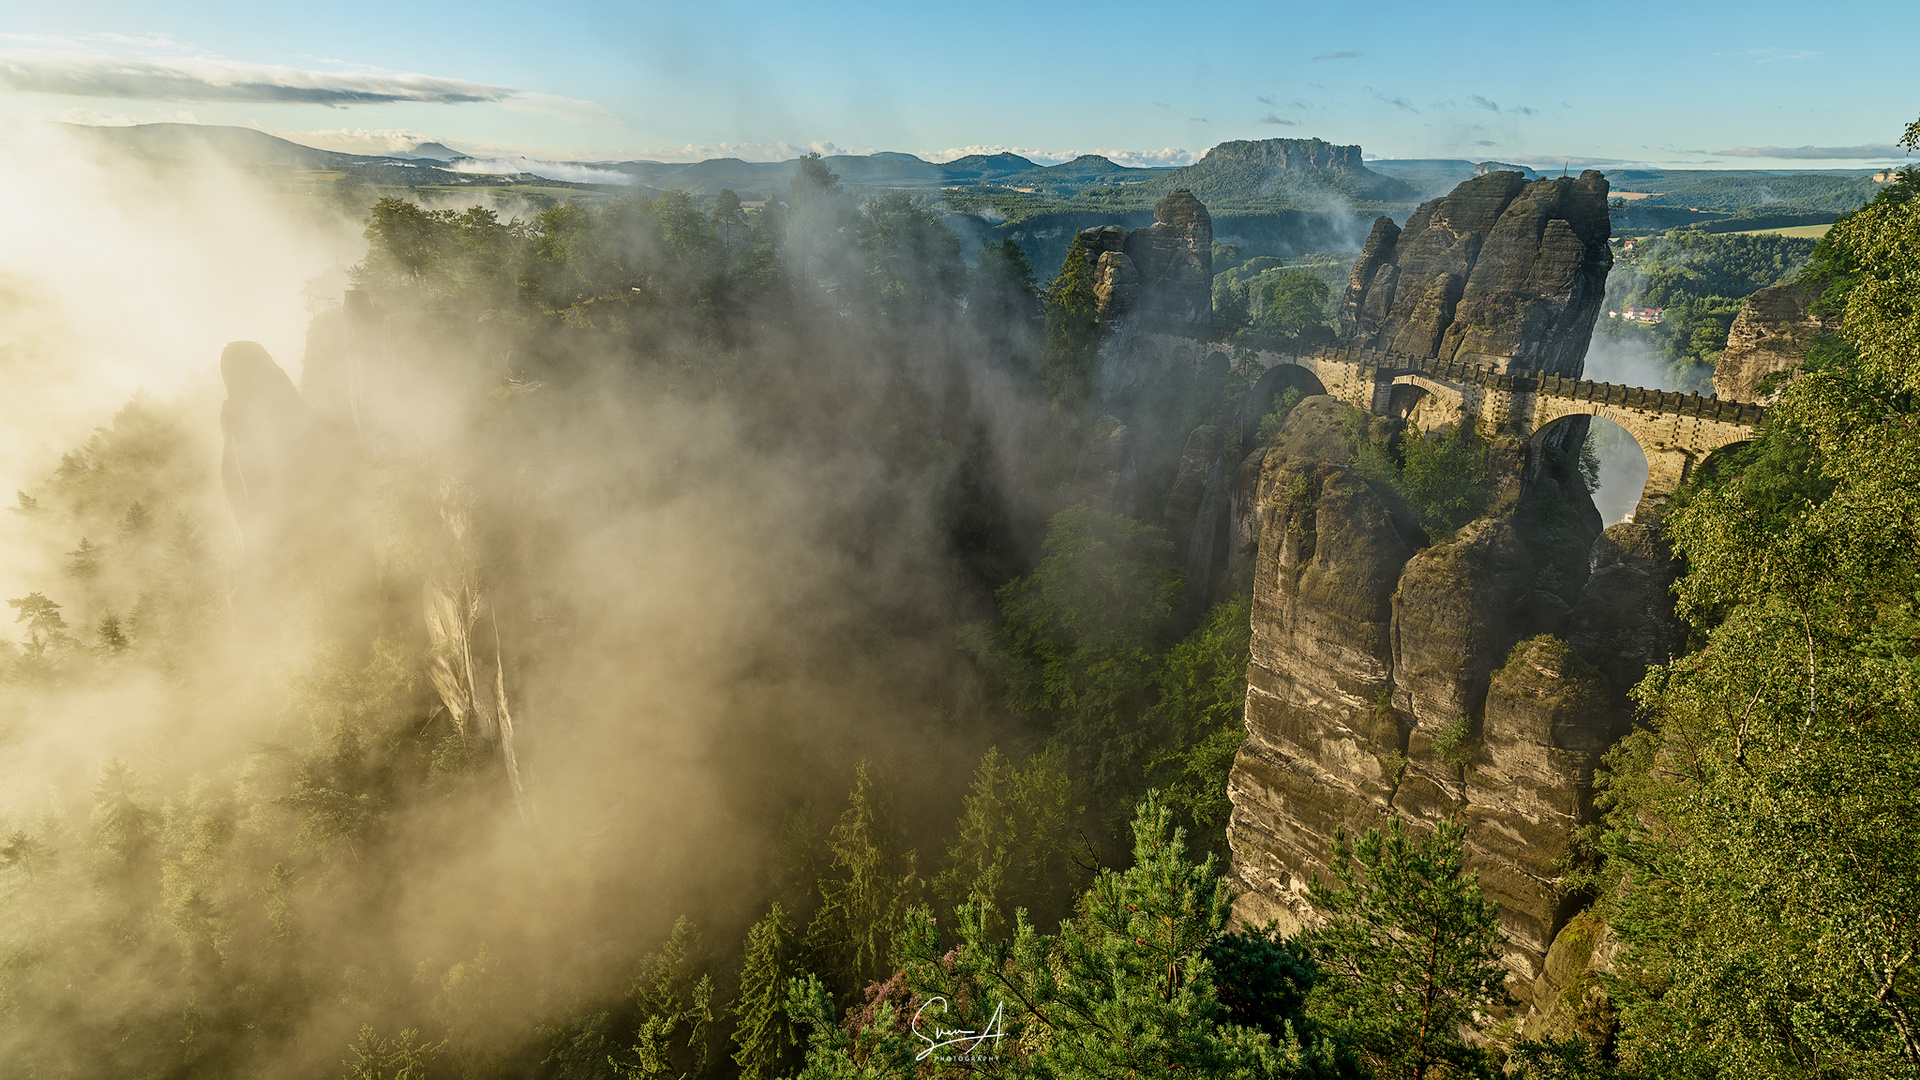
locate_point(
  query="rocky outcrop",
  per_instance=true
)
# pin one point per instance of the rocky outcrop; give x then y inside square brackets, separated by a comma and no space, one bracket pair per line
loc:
[297,479]
[1301,167]
[1502,270]
[1623,623]
[1529,785]
[1770,334]
[1161,276]
[1455,616]
[1324,742]
[1477,679]
[264,454]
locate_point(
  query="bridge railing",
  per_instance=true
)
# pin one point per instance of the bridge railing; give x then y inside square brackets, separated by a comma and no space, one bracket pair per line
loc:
[1380,362]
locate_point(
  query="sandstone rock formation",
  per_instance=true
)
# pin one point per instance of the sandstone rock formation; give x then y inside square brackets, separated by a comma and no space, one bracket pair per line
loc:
[297,479]
[1770,334]
[1162,275]
[1477,679]
[1502,269]
[1289,166]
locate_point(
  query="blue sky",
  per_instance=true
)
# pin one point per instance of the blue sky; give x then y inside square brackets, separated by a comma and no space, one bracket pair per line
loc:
[1759,84]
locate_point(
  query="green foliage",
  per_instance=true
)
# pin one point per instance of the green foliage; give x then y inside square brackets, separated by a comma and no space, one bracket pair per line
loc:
[766,1036]
[1446,477]
[1411,953]
[1079,634]
[404,1058]
[675,996]
[1125,989]
[866,890]
[1072,342]
[1198,725]
[1276,417]
[1765,883]
[1454,742]
[1012,847]
[912,256]
[1290,303]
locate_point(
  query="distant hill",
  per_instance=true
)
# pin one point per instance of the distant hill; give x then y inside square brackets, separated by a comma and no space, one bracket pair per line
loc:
[1238,173]
[241,146]
[433,151]
[1808,191]
[986,166]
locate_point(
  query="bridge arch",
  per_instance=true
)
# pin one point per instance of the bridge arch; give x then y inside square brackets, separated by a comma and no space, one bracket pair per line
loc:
[1623,470]
[1675,444]
[1272,383]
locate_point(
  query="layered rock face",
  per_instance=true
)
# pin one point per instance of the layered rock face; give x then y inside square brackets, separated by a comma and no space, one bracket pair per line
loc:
[1160,276]
[1474,680]
[1502,269]
[1296,166]
[1770,334]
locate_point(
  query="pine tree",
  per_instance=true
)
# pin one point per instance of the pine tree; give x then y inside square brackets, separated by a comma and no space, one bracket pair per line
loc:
[1411,953]
[1072,332]
[674,993]
[765,1035]
[1125,990]
[1011,850]
[46,627]
[862,905]
[728,217]
[110,637]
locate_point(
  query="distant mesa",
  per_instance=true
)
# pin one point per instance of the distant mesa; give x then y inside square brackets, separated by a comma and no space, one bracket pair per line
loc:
[433,151]
[1486,167]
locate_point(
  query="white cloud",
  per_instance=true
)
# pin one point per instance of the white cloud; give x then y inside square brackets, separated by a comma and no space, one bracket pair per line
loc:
[159,69]
[777,150]
[552,170]
[1874,151]
[352,140]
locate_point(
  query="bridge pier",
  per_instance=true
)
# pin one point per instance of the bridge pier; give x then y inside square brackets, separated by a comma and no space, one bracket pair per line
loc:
[1667,469]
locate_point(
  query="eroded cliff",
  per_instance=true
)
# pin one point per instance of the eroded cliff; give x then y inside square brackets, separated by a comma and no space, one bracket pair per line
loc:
[1478,678]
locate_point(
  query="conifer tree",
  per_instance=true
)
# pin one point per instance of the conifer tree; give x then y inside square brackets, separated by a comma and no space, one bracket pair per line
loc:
[1411,953]
[1072,333]
[765,1037]
[862,904]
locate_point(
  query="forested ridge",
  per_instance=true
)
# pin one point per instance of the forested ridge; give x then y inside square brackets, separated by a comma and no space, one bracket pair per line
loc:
[868,724]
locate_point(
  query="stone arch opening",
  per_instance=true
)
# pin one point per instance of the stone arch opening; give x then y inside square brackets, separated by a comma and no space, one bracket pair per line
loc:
[1404,398]
[1622,464]
[1275,381]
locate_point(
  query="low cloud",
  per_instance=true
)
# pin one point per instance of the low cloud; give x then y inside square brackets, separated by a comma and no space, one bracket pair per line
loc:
[1345,55]
[1271,118]
[1482,103]
[1813,153]
[354,140]
[571,172]
[1486,142]
[776,150]
[1265,99]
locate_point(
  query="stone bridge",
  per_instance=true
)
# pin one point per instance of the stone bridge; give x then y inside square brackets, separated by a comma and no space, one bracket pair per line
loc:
[1676,431]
